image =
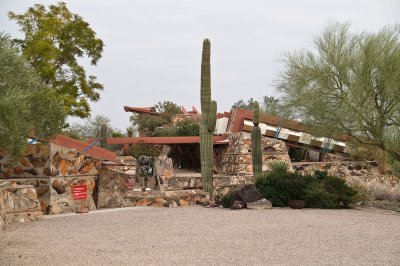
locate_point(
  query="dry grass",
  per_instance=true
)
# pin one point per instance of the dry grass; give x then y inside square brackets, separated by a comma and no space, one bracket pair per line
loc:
[373,191]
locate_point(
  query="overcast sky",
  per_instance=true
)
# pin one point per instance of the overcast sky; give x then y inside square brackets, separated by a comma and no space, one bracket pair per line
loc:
[153,47]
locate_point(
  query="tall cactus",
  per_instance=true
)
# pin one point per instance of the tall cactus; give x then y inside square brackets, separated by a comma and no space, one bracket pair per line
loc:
[207,120]
[103,135]
[256,143]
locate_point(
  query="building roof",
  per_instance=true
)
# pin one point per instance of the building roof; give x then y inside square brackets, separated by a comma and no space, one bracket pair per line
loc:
[80,146]
[164,140]
[141,110]
[238,116]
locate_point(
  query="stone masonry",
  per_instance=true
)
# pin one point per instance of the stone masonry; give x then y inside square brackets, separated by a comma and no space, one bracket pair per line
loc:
[236,157]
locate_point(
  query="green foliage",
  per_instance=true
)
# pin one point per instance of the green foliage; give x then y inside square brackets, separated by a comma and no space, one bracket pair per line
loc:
[278,167]
[227,199]
[275,107]
[54,40]
[188,127]
[91,128]
[207,119]
[167,109]
[27,106]
[319,190]
[348,84]
[147,124]
[143,149]
[244,104]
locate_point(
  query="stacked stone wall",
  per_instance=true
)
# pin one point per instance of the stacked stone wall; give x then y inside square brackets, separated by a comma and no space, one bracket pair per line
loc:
[236,158]
[341,169]
[366,172]
[33,163]
[18,203]
[61,197]
[113,187]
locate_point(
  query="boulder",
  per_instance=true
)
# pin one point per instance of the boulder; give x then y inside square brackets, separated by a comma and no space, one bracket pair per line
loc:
[59,187]
[183,202]
[173,204]
[143,202]
[238,204]
[247,193]
[56,209]
[261,204]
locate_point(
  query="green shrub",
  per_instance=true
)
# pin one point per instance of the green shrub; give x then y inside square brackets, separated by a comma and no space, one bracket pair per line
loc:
[143,149]
[278,167]
[227,199]
[319,190]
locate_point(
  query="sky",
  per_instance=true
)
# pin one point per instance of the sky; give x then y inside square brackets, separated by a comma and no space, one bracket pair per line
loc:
[153,48]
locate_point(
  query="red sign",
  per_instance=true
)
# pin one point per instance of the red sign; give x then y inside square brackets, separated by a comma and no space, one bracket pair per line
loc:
[129,184]
[79,192]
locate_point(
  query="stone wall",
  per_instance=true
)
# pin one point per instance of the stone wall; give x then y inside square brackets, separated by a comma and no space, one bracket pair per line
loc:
[341,169]
[113,187]
[68,162]
[366,173]
[2,206]
[42,186]
[42,160]
[61,198]
[236,159]
[33,163]
[18,203]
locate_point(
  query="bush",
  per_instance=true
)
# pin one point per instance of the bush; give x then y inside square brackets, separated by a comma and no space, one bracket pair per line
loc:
[143,149]
[227,199]
[373,191]
[319,190]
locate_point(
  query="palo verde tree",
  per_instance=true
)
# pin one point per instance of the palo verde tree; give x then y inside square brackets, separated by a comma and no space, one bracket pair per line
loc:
[207,120]
[55,40]
[27,106]
[349,83]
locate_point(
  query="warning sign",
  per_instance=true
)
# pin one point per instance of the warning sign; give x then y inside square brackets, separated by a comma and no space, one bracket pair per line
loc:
[79,192]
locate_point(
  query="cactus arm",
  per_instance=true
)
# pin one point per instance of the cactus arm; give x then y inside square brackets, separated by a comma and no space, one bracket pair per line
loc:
[212,117]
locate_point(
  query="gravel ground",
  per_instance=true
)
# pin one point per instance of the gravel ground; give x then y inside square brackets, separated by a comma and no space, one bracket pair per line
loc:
[201,236]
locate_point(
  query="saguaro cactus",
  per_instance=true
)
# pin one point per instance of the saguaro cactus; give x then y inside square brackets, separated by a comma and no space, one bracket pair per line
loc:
[207,119]
[256,143]
[103,135]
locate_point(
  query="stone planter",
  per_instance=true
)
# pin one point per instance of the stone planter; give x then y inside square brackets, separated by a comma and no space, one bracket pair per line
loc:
[296,204]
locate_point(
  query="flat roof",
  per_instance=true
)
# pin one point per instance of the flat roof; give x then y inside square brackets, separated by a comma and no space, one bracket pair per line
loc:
[165,140]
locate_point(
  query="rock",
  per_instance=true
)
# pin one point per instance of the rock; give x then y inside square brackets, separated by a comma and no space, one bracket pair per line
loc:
[173,204]
[160,200]
[157,204]
[31,171]
[261,204]
[18,170]
[247,193]
[55,209]
[143,202]
[183,202]
[58,187]
[112,202]
[238,204]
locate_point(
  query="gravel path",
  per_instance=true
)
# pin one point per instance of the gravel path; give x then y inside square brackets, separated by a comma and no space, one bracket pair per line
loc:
[201,236]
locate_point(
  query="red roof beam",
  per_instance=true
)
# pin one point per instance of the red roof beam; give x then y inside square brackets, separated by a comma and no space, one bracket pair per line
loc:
[164,140]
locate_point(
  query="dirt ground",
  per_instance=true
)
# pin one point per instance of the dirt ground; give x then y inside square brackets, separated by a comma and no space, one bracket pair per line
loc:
[201,236]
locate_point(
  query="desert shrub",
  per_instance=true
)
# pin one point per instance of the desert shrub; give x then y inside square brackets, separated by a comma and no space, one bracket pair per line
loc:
[373,191]
[143,149]
[227,199]
[278,167]
[319,190]
[280,188]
